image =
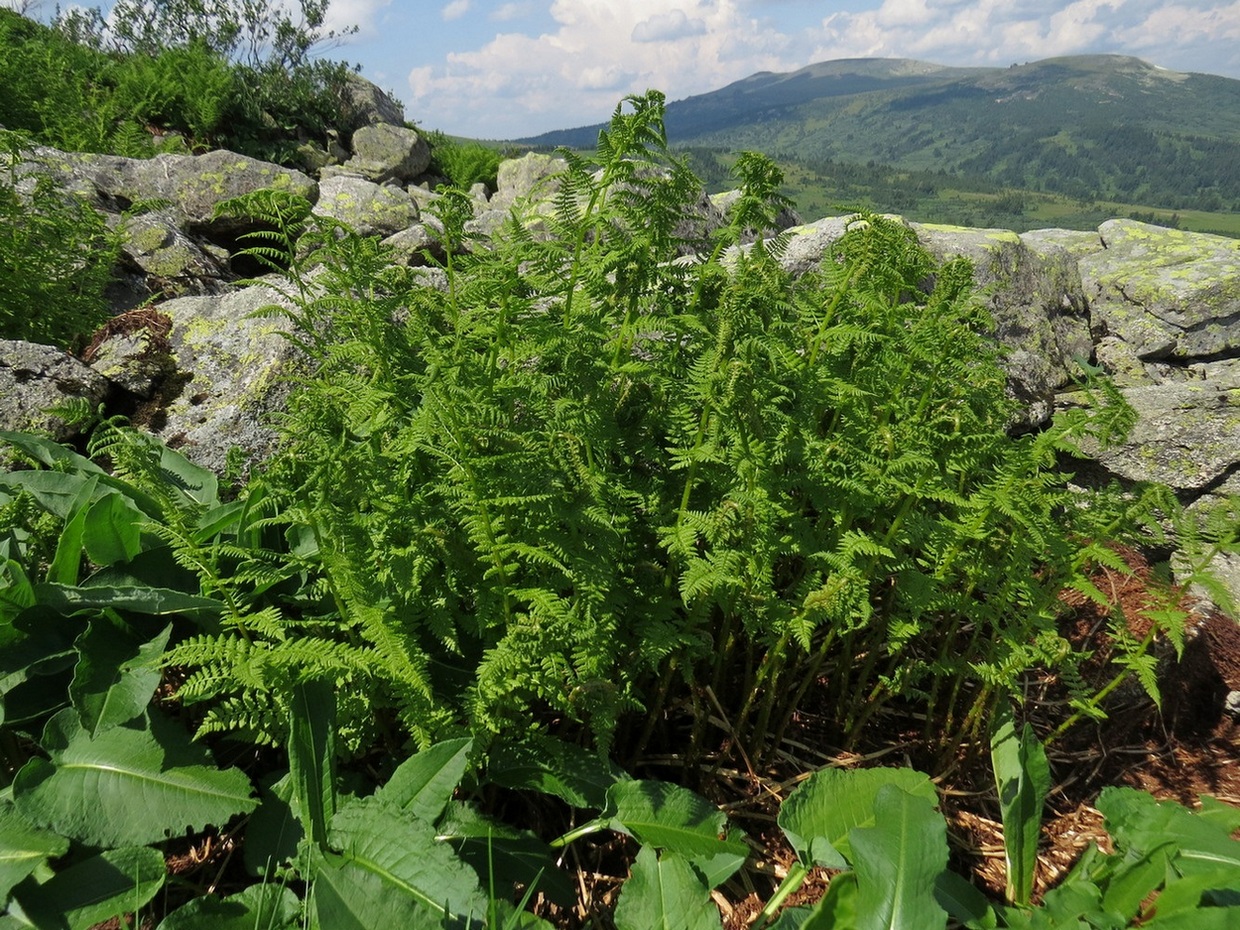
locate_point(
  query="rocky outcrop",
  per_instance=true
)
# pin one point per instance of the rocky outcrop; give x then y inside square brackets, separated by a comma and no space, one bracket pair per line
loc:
[1158,310]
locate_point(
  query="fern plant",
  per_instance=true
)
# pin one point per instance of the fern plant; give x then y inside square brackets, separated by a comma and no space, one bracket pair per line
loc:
[631,465]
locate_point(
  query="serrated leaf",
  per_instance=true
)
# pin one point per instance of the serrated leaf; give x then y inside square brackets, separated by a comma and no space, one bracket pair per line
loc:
[264,906]
[552,766]
[119,881]
[898,861]
[423,784]
[116,673]
[665,893]
[23,848]
[390,872]
[819,814]
[132,784]
[667,816]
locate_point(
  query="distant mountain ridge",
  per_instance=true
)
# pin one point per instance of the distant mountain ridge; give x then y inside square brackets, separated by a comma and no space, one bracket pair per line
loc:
[1091,126]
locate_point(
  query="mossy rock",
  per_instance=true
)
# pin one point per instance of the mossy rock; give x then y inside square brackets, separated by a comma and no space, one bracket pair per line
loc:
[1168,293]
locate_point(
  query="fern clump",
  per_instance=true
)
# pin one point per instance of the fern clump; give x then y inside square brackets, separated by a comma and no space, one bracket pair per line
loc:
[631,465]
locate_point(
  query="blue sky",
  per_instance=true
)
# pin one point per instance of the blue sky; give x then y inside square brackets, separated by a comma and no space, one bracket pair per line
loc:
[510,68]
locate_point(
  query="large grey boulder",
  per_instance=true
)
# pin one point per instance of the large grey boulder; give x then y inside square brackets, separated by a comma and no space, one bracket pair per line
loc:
[1187,435]
[383,153]
[1033,291]
[368,105]
[233,371]
[194,184]
[369,208]
[34,379]
[1166,292]
[532,178]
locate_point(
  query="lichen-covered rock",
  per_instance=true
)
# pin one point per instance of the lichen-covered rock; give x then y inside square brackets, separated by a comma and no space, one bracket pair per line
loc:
[530,178]
[384,153]
[156,244]
[1033,291]
[233,371]
[1187,436]
[36,378]
[193,184]
[369,208]
[1168,293]
[411,246]
[131,350]
[809,242]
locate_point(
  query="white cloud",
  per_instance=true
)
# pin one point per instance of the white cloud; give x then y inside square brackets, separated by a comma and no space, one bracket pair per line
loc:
[510,11]
[345,14]
[455,9]
[575,73]
[664,27]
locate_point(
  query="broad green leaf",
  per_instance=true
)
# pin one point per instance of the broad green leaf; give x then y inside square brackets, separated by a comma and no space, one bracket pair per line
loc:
[552,766]
[963,902]
[49,453]
[1184,893]
[16,591]
[264,906]
[158,602]
[113,530]
[819,814]
[667,816]
[1216,811]
[119,881]
[718,868]
[116,673]
[1138,821]
[274,831]
[665,893]
[1022,777]
[423,783]
[1203,918]
[390,872]
[838,907]
[794,918]
[312,755]
[55,491]
[23,848]
[898,861]
[132,784]
[1132,879]
[194,484]
[502,855]
[68,559]
[218,519]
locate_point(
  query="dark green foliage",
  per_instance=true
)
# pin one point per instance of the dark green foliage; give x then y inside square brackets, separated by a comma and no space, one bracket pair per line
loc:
[464,163]
[245,83]
[56,253]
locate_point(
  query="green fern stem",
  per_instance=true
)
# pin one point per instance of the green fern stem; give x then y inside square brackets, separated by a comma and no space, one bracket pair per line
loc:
[1096,700]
